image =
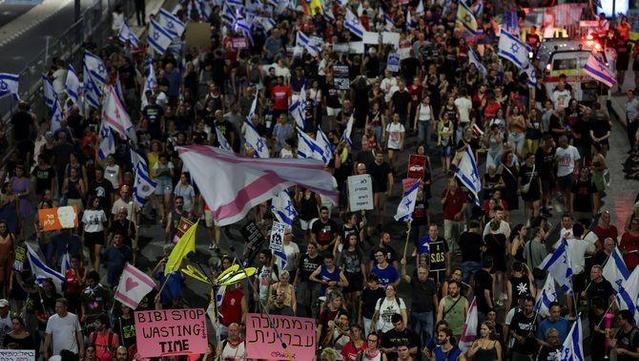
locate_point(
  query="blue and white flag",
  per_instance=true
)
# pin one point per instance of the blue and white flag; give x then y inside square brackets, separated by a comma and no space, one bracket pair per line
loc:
[91,93]
[346,137]
[169,22]
[420,8]
[342,3]
[255,141]
[56,115]
[424,245]
[599,71]
[236,3]
[48,92]
[221,139]
[245,26]
[72,85]
[468,173]
[159,38]
[510,23]
[283,208]
[97,70]
[478,8]
[474,60]
[465,21]
[65,263]
[627,294]
[41,271]
[143,185]
[205,9]
[228,15]
[572,349]
[251,113]
[352,23]
[118,89]
[532,75]
[410,23]
[304,42]
[150,81]
[126,35]
[298,108]
[323,141]
[388,21]
[328,14]
[406,206]
[219,296]
[107,142]
[547,296]
[558,265]
[307,147]
[9,84]
[615,270]
[513,49]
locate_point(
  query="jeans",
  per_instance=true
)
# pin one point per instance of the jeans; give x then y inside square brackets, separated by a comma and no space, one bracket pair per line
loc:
[468,269]
[422,132]
[452,230]
[367,326]
[517,140]
[422,325]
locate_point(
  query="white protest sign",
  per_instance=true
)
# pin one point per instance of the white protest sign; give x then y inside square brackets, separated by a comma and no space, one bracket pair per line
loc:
[392,63]
[371,38]
[277,236]
[356,47]
[360,192]
[391,38]
[17,355]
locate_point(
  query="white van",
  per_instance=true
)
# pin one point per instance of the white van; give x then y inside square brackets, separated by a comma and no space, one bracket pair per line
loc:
[571,64]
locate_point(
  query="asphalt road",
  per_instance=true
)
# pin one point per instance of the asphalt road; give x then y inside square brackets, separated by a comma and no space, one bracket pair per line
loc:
[9,12]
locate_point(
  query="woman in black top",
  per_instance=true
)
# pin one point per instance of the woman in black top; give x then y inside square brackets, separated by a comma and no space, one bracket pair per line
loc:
[19,338]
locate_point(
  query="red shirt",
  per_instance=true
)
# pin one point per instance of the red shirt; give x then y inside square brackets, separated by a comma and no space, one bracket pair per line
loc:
[630,242]
[603,233]
[454,204]
[349,352]
[490,110]
[279,96]
[231,307]
[415,92]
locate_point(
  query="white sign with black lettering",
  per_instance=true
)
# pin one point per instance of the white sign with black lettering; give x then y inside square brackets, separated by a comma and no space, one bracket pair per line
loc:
[277,237]
[360,192]
[17,355]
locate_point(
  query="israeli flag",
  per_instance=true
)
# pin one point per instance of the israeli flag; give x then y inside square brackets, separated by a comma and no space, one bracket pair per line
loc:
[328,14]
[169,22]
[48,93]
[513,49]
[323,141]
[9,84]
[237,3]
[118,90]
[342,3]
[92,94]
[254,141]
[473,58]
[56,115]
[65,263]
[346,137]
[149,82]
[298,108]
[143,185]
[303,41]
[627,294]
[228,15]
[224,144]
[251,113]
[532,75]
[97,70]
[599,71]
[126,35]
[510,23]
[558,265]
[420,8]
[424,245]
[407,204]
[352,23]
[41,271]
[572,349]
[283,208]
[245,27]
[219,296]
[72,85]
[307,147]
[547,296]
[107,142]
[205,9]
[615,270]
[410,23]
[468,173]
[159,38]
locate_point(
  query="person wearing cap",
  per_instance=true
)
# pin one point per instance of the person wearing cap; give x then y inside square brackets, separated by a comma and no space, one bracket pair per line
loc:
[629,245]
[5,316]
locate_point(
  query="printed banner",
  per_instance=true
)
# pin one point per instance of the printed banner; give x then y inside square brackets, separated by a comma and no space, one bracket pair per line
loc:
[55,219]
[262,341]
[171,332]
[416,164]
[277,236]
[17,355]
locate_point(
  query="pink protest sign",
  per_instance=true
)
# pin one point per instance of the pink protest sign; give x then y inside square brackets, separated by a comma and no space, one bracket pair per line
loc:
[262,342]
[170,332]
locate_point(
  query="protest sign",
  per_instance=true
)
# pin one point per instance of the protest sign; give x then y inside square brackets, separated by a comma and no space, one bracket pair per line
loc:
[416,164]
[254,239]
[197,35]
[239,43]
[277,237]
[184,226]
[356,47]
[340,74]
[392,63]
[360,192]
[171,332]
[262,341]
[55,219]
[17,355]
[371,38]
[19,258]
[391,38]
[341,48]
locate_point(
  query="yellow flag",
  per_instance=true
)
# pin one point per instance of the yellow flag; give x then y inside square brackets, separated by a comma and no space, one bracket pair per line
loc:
[185,245]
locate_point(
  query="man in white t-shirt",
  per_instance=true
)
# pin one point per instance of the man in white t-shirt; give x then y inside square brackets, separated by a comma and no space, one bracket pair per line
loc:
[464,105]
[63,332]
[566,157]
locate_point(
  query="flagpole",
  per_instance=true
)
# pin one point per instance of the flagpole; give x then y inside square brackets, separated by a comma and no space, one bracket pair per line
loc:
[607,310]
[407,237]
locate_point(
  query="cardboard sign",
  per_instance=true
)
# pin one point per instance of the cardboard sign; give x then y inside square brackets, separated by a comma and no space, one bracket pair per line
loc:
[55,219]
[262,341]
[392,63]
[239,43]
[198,35]
[171,332]
[416,164]
[17,355]
[360,192]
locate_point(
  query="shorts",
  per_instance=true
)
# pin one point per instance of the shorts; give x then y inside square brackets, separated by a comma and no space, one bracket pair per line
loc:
[163,187]
[92,239]
[565,182]
[547,184]
[305,225]
[355,282]
[208,219]
[333,112]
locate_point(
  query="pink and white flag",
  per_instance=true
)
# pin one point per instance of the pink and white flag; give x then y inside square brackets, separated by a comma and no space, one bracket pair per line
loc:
[469,335]
[134,285]
[232,185]
[114,113]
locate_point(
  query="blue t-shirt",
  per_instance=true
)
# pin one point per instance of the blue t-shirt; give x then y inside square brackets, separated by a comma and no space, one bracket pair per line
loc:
[452,355]
[385,276]
[562,325]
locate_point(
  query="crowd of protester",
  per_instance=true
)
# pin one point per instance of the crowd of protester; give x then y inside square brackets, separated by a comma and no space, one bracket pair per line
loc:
[545,179]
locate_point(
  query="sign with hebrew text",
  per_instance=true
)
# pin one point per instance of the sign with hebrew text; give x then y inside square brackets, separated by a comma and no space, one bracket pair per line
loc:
[265,335]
